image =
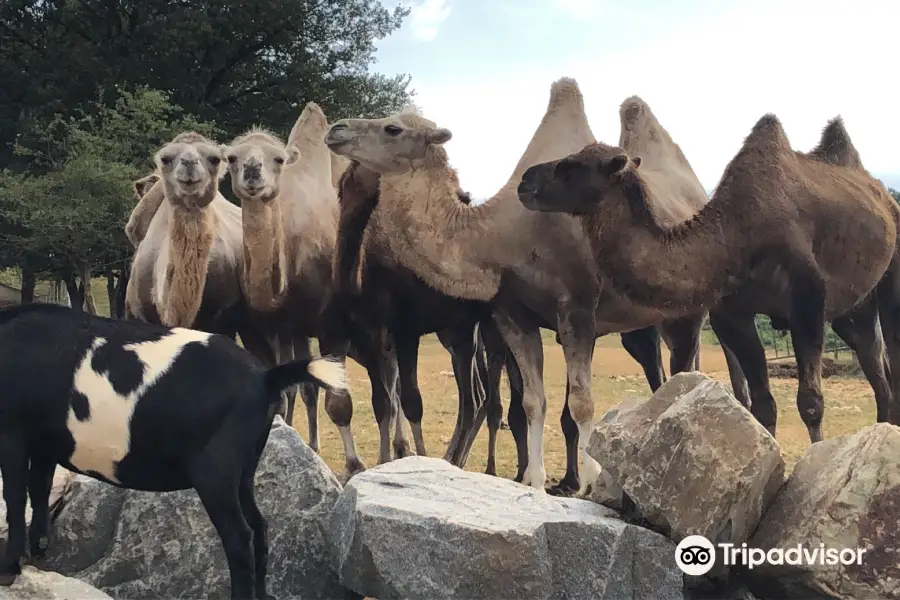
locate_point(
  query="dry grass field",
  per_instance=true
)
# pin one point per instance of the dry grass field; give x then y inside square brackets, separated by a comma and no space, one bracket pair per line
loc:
[849,405]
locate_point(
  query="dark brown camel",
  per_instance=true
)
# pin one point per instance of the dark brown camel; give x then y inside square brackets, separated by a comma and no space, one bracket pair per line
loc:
[801,237]
[535,270]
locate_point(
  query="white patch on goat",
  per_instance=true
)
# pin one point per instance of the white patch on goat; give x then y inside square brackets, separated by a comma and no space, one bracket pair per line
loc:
[104,439]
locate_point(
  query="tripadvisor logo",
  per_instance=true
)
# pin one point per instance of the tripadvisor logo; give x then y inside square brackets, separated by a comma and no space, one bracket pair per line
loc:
[696,555]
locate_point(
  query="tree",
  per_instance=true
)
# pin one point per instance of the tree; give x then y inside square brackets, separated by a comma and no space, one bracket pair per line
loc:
[237,65]
[66,218]
[895,194]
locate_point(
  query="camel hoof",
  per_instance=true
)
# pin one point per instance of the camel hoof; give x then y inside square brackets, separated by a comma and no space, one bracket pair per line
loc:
[351,468]
[566,487]
[402,450]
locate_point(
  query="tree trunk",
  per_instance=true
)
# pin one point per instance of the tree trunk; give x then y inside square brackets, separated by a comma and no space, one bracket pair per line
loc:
[121,287]
[75,297]
[28,283]
[111,292]
[84,273]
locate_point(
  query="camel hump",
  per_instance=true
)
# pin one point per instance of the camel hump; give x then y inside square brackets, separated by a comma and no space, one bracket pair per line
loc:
[768,132]
[835,146]
[310,123]
[565,92]
[632,108]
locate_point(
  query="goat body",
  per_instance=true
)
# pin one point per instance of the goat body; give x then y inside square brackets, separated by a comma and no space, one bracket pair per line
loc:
[139,406]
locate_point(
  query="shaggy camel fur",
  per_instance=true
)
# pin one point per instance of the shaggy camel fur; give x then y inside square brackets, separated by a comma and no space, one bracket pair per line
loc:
[535,269]
[397,304]
[799,237]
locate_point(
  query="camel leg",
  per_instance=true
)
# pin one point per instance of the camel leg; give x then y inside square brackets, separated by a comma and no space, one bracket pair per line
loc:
[576,332]
[683,338]
[381,367]
[737,331]
[888,298]
[861,331]
[461,342]
[309,393]
[455,439]
[570,482]
[643,346]
[286,354]
[524,341]
[807,324]
[410,396]
[738,381]
[518,423]
[339,405]
[493,401]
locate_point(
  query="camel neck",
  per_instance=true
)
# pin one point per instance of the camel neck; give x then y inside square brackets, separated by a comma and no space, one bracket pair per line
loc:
[681,267]
[451,246]
[264,256]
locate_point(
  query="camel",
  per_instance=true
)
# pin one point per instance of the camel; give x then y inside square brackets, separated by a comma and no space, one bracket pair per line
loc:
[395,300]
[802,237]
[186,263]
[290,220]
[535,269]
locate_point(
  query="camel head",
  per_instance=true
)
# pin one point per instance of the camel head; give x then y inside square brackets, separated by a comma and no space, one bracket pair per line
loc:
[256,161]
[143,185]
[590,181]
[390,145]
[191,167]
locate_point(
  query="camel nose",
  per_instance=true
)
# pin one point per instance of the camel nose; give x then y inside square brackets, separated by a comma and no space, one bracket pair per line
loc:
[252,173]
[337,127]
[527,185]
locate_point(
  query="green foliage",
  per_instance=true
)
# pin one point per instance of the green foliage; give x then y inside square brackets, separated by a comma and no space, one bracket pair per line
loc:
[257,62]
[71,207]
[895,193]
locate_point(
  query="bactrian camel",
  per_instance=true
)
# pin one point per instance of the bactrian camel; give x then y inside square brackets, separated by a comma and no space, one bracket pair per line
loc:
[535,269]
[187,259]
[382,296]
[290,220]
[801,237]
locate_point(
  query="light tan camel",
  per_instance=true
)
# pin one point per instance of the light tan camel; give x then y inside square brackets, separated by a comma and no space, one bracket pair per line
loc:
[188,241]
[803,238]
[536,269]
[290,215]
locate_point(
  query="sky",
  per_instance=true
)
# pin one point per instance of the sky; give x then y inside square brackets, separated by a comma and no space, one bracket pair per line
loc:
[709,69]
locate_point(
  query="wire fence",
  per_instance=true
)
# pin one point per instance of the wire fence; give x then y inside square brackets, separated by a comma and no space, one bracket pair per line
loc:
[778,346]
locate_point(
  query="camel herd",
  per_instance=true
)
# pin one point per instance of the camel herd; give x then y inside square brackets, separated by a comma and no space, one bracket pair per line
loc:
[359,234]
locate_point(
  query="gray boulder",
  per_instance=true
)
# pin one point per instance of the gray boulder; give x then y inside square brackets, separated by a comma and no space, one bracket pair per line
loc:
[162,545]
[844,494]
[33,584]
[421,528]
[692,459]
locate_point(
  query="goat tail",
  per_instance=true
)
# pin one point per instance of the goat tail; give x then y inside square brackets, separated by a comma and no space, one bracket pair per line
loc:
[328,372]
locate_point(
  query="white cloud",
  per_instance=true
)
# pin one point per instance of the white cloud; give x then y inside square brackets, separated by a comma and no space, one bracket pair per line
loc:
[708,83]
[426,17]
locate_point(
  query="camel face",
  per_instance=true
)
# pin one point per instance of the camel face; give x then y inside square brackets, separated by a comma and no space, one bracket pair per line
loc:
[390,145]
[190,166]
[256,161]
[579,184]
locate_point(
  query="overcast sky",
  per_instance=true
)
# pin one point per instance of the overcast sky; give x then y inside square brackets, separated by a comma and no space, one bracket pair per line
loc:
[709,69]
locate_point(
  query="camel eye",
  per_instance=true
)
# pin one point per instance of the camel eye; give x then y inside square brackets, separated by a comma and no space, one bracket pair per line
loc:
[279,160]
[392,130]
[231,159]
[166,160]
[214,160]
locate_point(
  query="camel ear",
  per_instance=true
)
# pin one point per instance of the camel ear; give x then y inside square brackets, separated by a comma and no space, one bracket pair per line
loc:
[294,155]
[616,164]
[636,162]
[438,136]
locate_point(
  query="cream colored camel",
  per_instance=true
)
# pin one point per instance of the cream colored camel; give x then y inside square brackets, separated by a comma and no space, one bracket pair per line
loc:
[188,240]
[290,215]
[803,238]
[536,269]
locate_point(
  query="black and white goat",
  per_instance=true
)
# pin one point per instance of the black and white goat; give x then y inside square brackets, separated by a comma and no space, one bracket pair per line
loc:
[139,406]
